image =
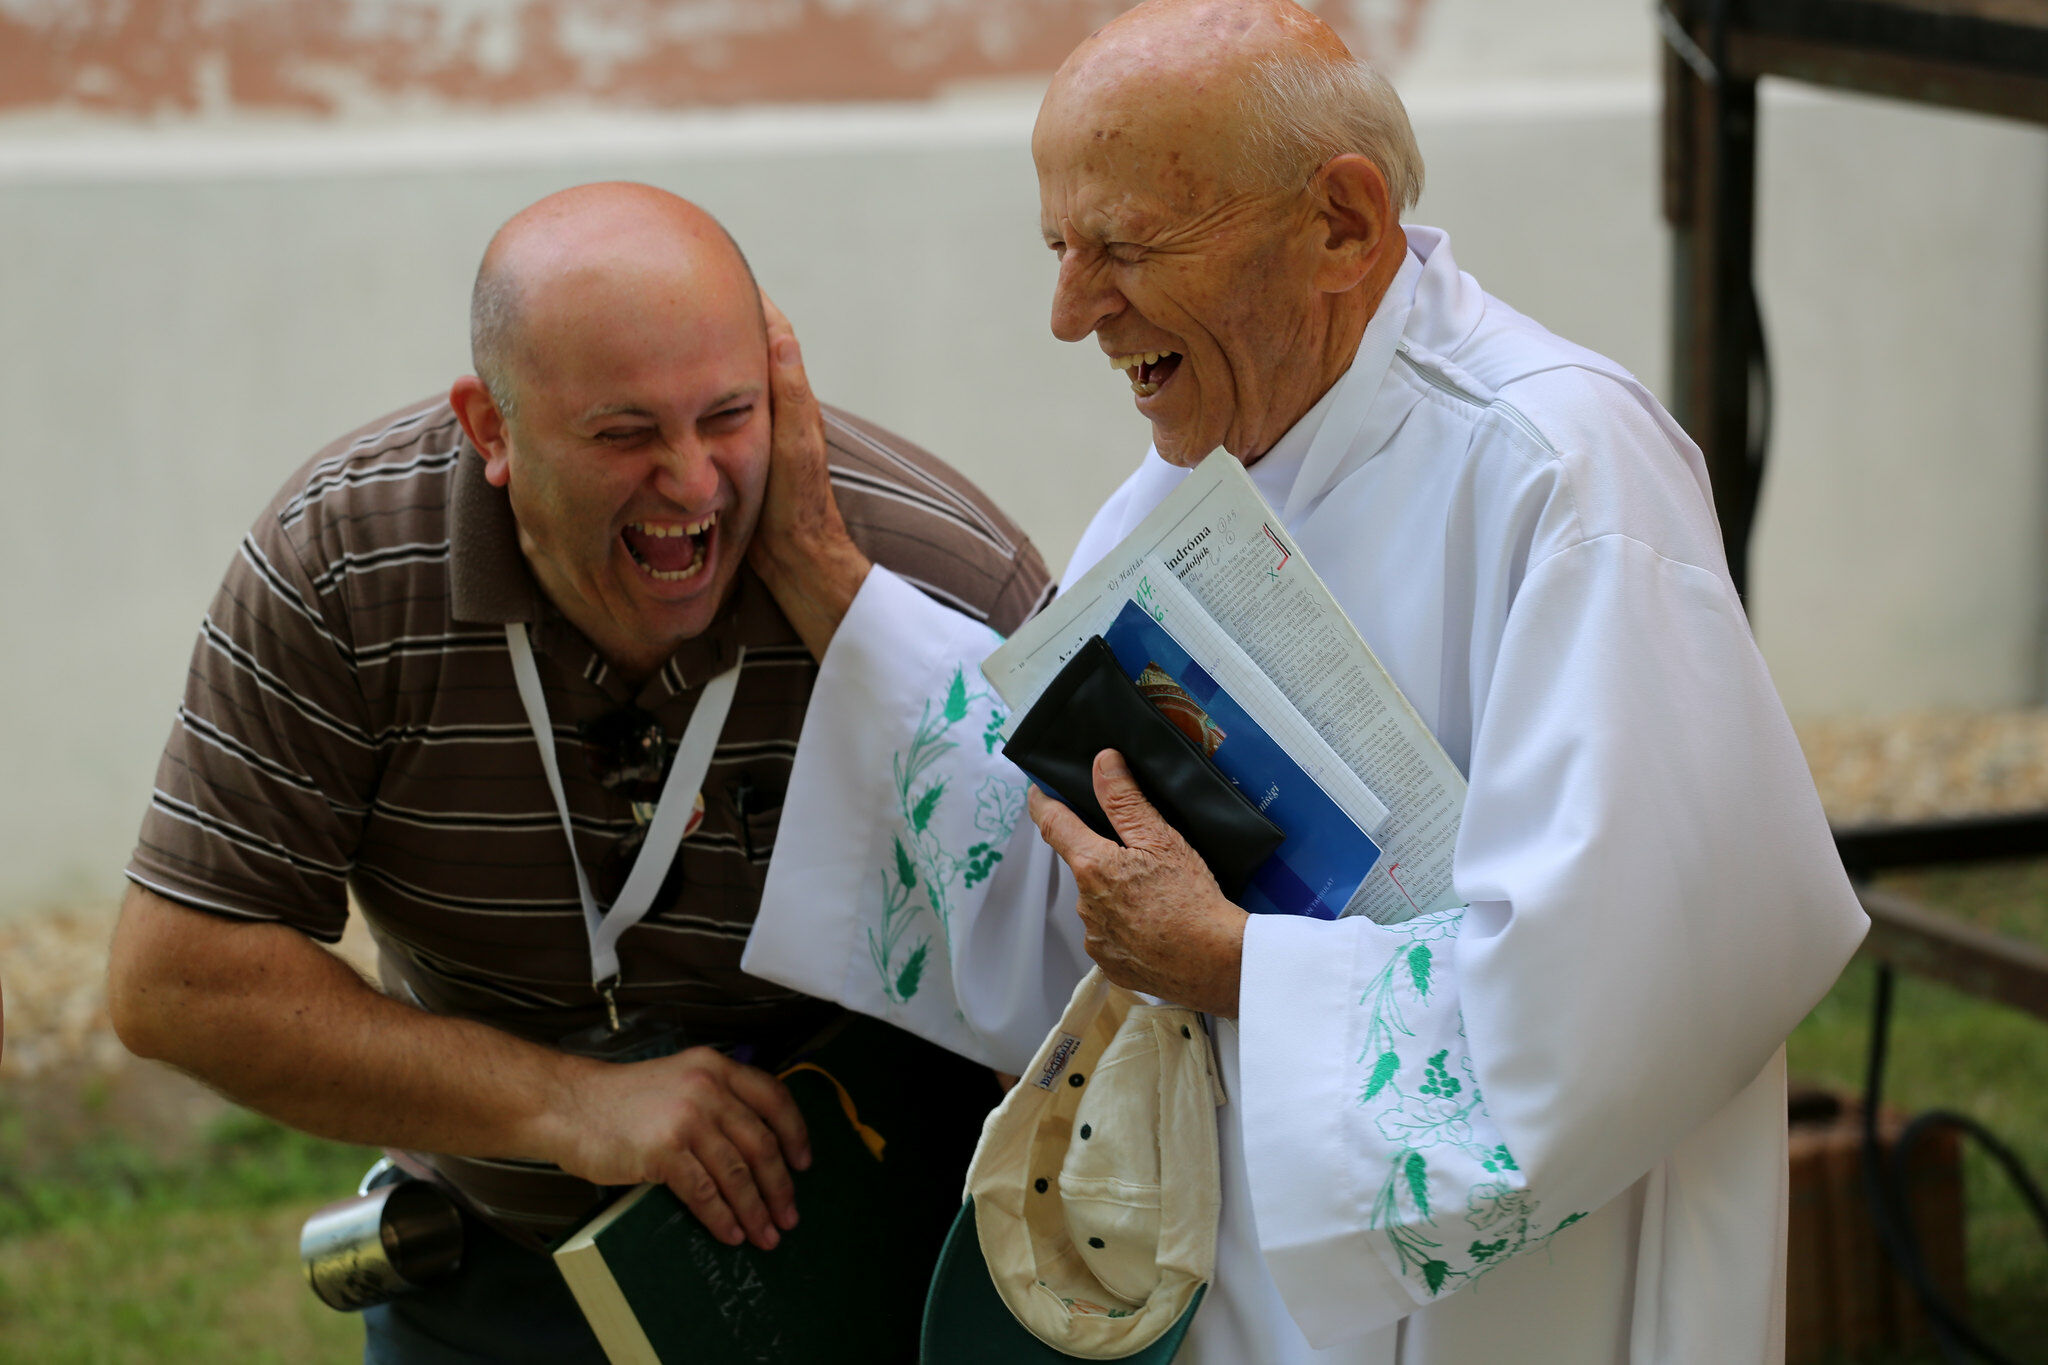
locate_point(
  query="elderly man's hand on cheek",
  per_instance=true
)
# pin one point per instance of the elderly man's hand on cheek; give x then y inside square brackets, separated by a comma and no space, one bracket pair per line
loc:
[1156,921]
[800,548]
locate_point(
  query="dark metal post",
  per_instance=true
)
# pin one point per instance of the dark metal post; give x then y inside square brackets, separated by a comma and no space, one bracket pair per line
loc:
[1710,201]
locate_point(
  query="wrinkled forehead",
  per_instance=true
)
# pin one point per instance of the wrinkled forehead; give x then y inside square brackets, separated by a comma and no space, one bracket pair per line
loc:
[1137,143]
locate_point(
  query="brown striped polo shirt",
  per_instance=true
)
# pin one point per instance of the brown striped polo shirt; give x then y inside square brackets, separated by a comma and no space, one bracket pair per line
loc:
[351,724]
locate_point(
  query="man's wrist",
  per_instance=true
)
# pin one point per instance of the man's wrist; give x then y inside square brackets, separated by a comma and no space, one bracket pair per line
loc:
[1229,975]
[550,1132]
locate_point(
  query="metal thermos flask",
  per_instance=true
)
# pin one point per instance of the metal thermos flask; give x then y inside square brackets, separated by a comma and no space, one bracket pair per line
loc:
[384,1242]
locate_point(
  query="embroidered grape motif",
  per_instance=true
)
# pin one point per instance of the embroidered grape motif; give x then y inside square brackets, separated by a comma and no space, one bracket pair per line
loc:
[981,860]
[1438,1081]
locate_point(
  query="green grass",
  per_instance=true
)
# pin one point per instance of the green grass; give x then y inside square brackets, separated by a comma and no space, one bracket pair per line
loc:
[169,1286]
[243,1162]
[1952,1051]
[111,1253]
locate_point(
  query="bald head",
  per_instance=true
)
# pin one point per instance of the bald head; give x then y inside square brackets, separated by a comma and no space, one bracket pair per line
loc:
[1260,92]
[1173,38]
[615,230]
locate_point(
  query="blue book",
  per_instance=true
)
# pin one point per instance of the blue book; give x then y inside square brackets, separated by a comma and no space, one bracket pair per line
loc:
[1325,856]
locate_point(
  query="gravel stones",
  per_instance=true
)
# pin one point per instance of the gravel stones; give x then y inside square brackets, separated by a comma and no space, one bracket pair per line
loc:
[53,987]
[1928,765]
[53,975]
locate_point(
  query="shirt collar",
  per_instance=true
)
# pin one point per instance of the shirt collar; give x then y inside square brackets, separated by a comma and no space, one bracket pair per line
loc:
[750,619]
[488,579]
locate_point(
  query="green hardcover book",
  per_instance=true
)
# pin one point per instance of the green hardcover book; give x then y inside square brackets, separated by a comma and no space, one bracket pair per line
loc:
[842,1286]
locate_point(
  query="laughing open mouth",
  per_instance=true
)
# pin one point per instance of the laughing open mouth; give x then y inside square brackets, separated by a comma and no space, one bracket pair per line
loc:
[669,551]
[1148,370]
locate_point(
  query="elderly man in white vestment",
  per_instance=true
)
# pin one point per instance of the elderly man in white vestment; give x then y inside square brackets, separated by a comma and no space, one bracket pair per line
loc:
[1548,1127]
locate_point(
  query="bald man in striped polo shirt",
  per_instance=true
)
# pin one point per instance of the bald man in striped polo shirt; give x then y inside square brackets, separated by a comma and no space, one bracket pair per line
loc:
[586,513]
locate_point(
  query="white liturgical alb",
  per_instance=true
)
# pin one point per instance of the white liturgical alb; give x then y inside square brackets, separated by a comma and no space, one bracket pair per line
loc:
[1548,1128]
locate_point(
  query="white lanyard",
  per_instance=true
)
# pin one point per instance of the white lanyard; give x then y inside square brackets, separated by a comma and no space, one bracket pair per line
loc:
[671,815]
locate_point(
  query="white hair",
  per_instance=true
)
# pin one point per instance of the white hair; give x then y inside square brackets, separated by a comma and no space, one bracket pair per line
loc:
[1302,110]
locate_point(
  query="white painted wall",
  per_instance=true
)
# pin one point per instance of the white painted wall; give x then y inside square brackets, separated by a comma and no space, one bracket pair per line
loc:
[1900,559]
[185,315]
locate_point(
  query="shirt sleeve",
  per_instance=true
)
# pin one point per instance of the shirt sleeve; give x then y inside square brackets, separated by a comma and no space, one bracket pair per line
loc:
[1654,902]
[918,892]
[264,785]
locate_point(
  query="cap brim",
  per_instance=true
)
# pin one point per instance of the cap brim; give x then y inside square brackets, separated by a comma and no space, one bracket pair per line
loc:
[967,1323]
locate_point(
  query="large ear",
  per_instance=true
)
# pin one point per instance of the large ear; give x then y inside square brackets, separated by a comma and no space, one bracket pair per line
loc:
[485,426]
[1357,217]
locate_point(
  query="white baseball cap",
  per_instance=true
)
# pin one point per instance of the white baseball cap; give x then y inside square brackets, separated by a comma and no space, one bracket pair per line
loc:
[1093,1195]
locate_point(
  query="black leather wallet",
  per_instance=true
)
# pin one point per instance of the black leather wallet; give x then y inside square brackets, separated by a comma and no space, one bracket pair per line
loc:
[1091,706]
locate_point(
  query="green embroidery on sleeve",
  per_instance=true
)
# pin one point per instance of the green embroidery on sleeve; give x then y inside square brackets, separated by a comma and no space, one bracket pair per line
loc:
[1423,1121]
[1437,1081]
[1413,1250]
[923,860]
[1382,998]
[1382,1072]
[1416,1171]
[1382,994]
[981,860]
[1494,1205]
[1440,1170]
[912,973]
[897,914]
[997,808]
[927,802]
[1418,969]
